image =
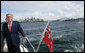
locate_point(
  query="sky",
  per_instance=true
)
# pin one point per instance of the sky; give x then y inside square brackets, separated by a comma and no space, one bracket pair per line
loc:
[47,10]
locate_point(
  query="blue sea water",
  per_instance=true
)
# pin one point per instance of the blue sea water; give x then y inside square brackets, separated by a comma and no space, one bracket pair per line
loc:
[68,36]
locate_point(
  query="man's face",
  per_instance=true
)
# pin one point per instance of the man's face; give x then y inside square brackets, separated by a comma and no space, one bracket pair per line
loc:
[9,18]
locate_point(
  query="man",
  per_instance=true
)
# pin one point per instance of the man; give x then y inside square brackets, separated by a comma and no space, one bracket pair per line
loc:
[10,31]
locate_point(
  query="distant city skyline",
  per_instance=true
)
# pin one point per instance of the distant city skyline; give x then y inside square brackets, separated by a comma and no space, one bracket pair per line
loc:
[47,10]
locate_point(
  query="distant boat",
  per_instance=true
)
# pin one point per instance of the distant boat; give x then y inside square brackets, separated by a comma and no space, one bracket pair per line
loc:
[22,48]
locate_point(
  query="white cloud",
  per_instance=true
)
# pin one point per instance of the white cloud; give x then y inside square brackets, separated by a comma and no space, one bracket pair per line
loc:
[42,9]
[51,14]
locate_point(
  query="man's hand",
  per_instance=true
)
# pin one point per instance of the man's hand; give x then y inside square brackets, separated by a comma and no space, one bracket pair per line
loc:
[26,37]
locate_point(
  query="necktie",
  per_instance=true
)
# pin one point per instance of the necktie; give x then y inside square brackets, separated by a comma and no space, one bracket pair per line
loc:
[10,27]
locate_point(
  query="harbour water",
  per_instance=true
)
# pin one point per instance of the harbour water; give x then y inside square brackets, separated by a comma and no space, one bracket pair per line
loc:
[68,36]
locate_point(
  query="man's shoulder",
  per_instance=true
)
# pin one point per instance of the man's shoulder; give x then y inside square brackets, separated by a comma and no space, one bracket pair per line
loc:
[5,23]
[15,21]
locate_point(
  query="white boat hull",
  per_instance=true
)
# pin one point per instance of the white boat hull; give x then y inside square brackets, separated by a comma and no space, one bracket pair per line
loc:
[22,48]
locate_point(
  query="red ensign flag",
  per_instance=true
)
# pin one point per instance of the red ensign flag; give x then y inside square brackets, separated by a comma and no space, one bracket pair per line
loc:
[48,39]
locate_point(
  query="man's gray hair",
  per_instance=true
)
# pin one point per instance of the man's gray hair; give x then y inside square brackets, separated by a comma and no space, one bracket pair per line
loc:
[9,14]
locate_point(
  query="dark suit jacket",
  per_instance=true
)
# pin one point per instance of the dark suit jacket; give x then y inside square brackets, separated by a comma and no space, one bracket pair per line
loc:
[2,43]
[13,36]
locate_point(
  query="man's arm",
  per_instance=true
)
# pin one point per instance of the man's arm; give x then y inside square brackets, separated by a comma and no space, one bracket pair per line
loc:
[3,32]
[21,31]
[2,37]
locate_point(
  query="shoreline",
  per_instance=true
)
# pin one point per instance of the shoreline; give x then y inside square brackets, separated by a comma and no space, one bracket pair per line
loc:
[26,21]
[78,20]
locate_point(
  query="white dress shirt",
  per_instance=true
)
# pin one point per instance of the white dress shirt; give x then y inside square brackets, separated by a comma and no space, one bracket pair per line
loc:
[8,24]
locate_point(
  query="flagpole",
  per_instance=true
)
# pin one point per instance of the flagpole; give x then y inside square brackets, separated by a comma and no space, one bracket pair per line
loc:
[42,37]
